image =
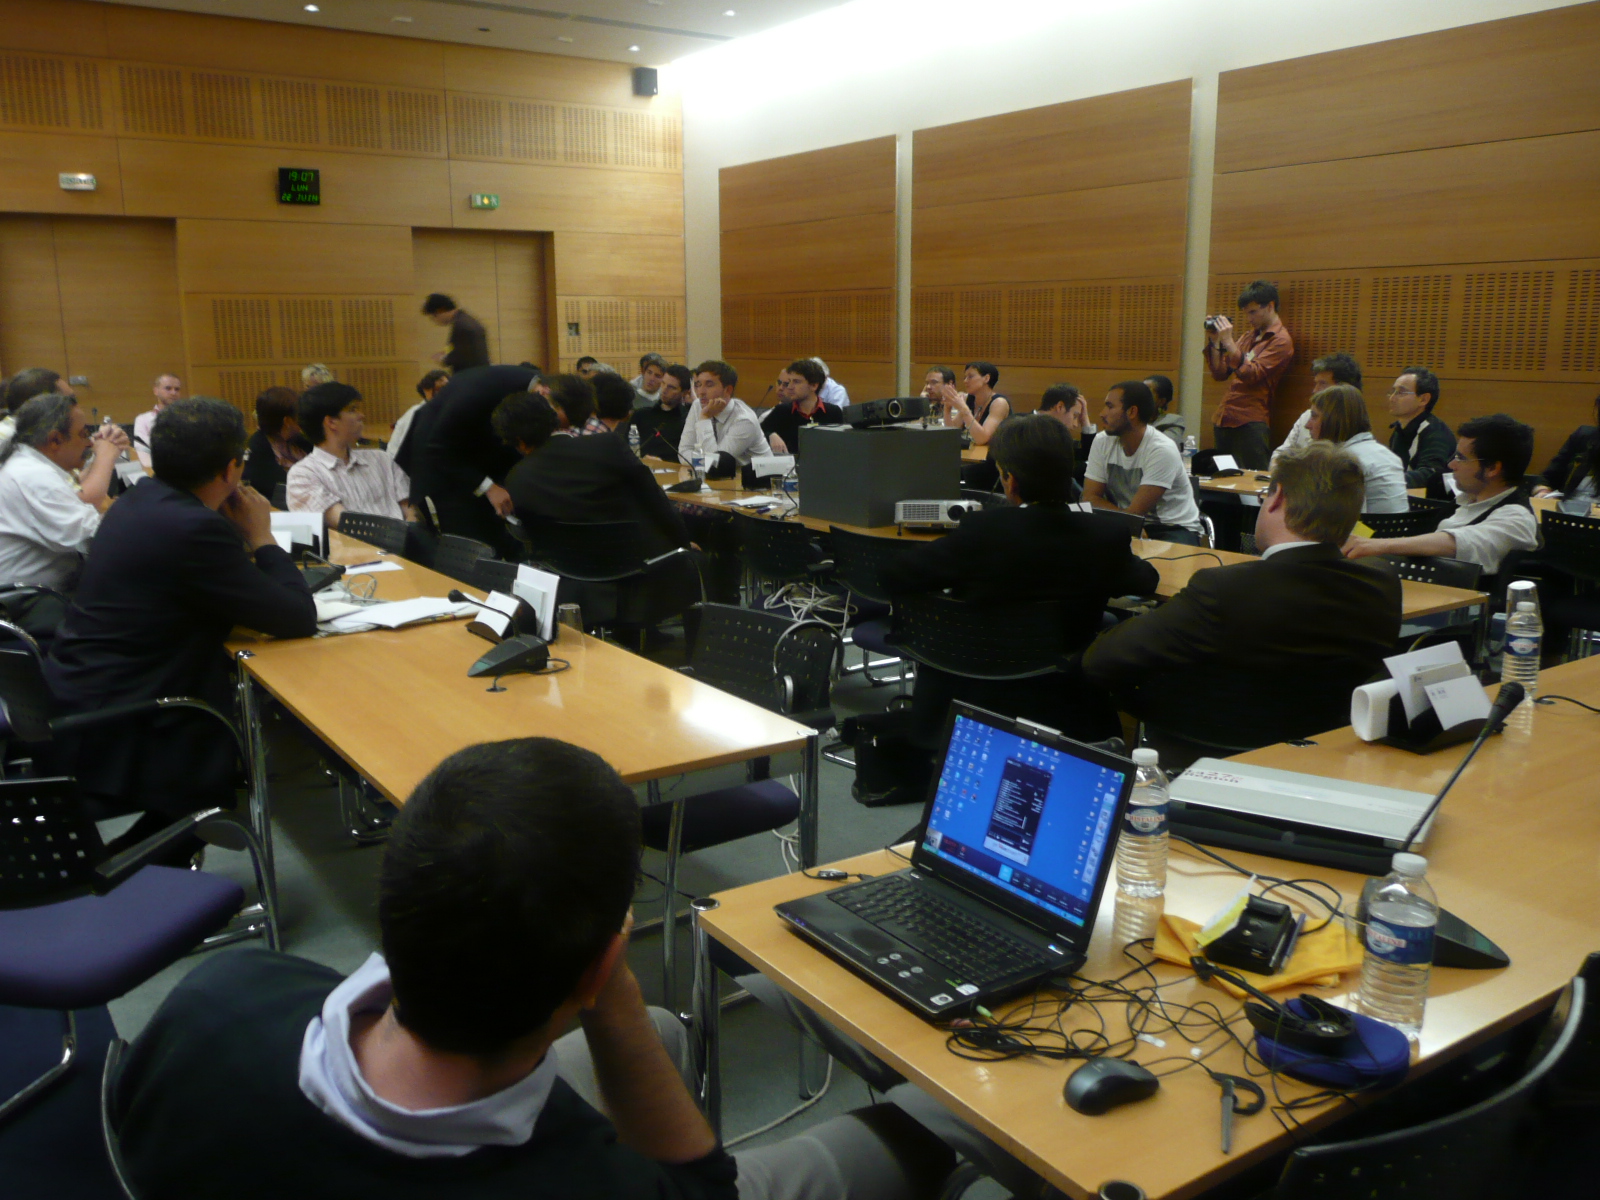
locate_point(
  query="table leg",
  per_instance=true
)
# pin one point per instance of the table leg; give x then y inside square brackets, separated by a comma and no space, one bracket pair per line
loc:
[810,770]
[260,813]
[704,1019]
[669,901]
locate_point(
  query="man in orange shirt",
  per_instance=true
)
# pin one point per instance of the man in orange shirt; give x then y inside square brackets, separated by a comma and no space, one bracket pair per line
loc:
[1252,365]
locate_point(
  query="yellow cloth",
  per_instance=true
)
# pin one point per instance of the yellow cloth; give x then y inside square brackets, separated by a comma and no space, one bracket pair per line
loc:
[1319,958]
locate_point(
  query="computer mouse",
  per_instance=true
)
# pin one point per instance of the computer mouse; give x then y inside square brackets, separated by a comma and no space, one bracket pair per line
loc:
[1102,1084]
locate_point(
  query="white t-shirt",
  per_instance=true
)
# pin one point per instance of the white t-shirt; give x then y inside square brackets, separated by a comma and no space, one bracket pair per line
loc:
[1156,463]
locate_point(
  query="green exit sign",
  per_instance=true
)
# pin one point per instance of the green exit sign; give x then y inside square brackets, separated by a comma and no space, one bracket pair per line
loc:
[483,200]
[299,185]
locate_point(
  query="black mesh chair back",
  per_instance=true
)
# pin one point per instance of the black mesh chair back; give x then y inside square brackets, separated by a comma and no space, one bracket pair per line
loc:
[25,699]
[494,575]
[280,496]
[1011,641]
[1447,572]
[765,658]
[595,552]
[859,560]
[1406,524]
[780,551]
[49,847]
[1463,1156]
[457,556]
[1572,544]
[386,533]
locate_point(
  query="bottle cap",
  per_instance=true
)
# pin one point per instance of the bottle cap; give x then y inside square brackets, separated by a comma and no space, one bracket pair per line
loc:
[1146,756]
[1413,866]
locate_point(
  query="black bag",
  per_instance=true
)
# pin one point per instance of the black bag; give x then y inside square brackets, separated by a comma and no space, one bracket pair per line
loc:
[891,768]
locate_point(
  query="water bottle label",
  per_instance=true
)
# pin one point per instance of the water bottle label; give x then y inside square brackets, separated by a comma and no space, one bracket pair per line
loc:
[1523,646]
[1148,820]
[1407,945]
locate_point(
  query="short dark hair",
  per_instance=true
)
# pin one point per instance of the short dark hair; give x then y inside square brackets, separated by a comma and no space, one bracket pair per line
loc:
[437,302]
[574,396]
[1058,393]
[1501,439]
[681,373]
[321,402]
[428,382]
[613,396]
[651,360]
[587,358]
[808,370]
[987,369]
[1343,368]
[1259,292]
[1427,384]
[507,874]
[524,418]
[944,373]
[275,406]
[1038,455]
[715,366]
[195,440]
[1137,397]
[1161,386]
[28,383]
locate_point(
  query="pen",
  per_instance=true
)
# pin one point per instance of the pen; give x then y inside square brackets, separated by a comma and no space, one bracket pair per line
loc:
[358,566]
[1294,940]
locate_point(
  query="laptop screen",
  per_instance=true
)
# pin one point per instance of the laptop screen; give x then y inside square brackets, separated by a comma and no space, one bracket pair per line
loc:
[1031,819]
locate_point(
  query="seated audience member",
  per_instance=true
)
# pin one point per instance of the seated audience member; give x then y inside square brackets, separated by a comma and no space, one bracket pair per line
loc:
[428,387]
[336,475]
[1339,415]
[1252,367]
[1325,372]
[1168,422]
[1271,649]
[439,1068]
[1492,516]
[1574,473]
[1065,403]
[647,383]
[314,374]
[661,425]
[46,521]
[24,386]
[586,366]
[1134,470]
[980,409]
[799,404]
[1033,548]
[166,389]
[613,403]
[277,444]
[832,391]
[721,429]
[1421,440]
[180,561]
[934,381]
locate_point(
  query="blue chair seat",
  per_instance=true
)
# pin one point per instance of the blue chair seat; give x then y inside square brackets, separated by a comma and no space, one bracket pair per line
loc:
[712,818]
[89,950]
[874,636]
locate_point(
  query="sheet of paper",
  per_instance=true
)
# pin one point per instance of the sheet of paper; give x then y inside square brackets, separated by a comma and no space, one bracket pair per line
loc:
[1458,700]
[303,528]
[1403,669]
[373,568]
[1225,462]
[396,613]
[285,542]
[495,622]
[539,588]
[765,465]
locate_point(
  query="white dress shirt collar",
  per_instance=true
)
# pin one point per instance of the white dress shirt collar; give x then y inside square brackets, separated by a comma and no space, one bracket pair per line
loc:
[1271,550]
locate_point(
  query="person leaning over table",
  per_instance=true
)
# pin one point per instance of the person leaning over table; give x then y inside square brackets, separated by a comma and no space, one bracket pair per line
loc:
[338,475]
[613,404]
[1339,415]
[1574,473]
[428,387]
[181,559]
[443,1066]
[1136,470]
[277,444]
[720,428]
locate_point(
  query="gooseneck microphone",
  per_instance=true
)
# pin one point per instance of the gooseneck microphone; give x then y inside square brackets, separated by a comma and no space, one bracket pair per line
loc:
[1510,695]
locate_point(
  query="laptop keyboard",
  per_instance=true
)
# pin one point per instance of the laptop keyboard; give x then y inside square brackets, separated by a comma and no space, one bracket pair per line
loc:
[937,928]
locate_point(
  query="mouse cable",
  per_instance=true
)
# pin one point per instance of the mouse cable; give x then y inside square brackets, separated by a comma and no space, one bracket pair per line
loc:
[1335,908]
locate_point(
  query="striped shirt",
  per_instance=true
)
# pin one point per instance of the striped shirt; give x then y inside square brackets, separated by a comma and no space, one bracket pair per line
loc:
[369,482]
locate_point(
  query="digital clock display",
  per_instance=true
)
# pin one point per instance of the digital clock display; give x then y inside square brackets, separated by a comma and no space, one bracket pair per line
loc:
[298,185]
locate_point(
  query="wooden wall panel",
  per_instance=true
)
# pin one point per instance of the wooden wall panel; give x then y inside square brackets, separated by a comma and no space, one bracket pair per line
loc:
[840,181]
[267,256]
[602,264]
[59,27]
[546,76]
[838,253]
[1524,76]
[31,162]
[618,329]
[498,277]
[562,198]
[1102,141]
[30,295]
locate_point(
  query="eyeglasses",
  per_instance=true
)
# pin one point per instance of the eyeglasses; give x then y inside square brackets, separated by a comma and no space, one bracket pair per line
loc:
[1459,457]
[1393,392]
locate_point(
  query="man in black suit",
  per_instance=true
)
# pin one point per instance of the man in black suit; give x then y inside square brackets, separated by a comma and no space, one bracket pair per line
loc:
[1034,548]
[456,461]
[1269,650]
[179,561]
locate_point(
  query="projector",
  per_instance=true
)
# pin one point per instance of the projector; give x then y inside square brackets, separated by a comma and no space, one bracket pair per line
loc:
[886,412]
[933,514]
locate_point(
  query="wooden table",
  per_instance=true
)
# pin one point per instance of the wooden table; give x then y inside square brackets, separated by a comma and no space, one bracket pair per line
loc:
[394,703]
[1513,851]
[1252,486]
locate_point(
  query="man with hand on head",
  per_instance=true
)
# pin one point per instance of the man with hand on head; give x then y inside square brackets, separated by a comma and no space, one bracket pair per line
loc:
[337,475]
[1252,365]
[1325,372]
[1064,403]
[660,426]
[799,404]
[1137,470]
[1422,441]
[721,429]
[180,561]
[166,389]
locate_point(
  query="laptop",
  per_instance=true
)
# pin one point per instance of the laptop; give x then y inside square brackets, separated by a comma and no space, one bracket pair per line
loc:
[1016,848]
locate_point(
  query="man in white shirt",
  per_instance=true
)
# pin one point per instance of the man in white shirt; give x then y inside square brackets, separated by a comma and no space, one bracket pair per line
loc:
[166,389]
[721,429]
[647,383]
[831,391]
[1492,516]
[24,386]
[1325,372]
[1135,469]
[46,522]
[336,476]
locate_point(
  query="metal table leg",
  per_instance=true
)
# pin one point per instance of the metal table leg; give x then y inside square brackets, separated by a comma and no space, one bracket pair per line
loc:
[704,1021]
[810,770]
[260,814]
[669,901]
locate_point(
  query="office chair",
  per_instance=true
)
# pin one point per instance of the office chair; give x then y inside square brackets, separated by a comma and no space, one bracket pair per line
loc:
[989,642]
[457,556]
[605,570]
[779,553]
[494,575]
[1463,1156]
[386,533]
[1571,555]
[1412,523]
[858,563]
[1460,625]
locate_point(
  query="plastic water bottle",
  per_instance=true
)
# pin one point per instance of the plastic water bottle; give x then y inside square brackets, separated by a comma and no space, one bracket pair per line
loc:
[1190,449]
[1142,851]
[633,438]
[697,464]
[1519,661]
[1400,922]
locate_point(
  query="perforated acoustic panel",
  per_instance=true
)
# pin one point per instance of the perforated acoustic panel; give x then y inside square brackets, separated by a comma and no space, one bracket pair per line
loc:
[850,326]
[618,329]
[228,330]
[383,386]
[1133,324]
[1580,342]
[1505,320]
[33,91]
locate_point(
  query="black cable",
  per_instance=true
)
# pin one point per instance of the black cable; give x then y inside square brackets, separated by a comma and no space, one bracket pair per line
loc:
[1569,700]
[1181,557]
[833,875]
[1335,910]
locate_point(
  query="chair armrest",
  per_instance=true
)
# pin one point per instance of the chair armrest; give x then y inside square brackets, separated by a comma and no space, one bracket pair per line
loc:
[119,712]
[119,867]
[661,558]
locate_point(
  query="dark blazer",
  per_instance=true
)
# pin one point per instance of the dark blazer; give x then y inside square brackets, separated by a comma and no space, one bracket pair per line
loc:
[261,469]
[584,479]
[1424,448]
[657,424]
[458,447]
[469,343]
[1256,652]
[166,581]
[1567,468]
